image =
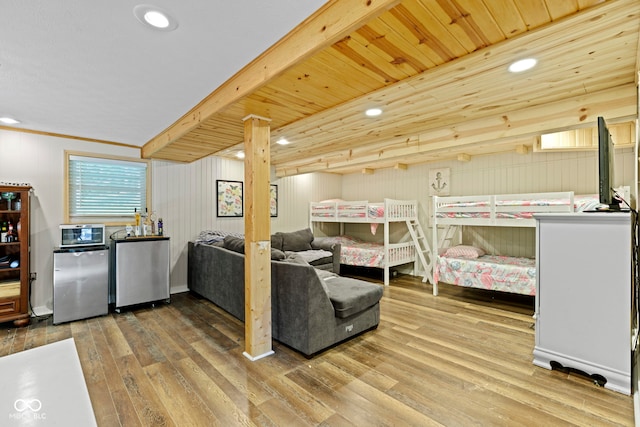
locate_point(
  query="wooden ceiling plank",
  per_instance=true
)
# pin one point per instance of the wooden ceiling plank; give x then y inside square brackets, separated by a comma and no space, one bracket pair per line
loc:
[450,17]
[354,52]
[330,23]
[427,40]
[573,112]
[431,81]
[534,13]
[559,9]
[476,20]
[384,40]
[400,37]
[508,17]
[425,56]
[335,72]
[438,31]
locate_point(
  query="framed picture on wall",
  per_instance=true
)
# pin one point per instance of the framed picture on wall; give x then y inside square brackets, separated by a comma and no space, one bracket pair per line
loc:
[273,200]
[229,200]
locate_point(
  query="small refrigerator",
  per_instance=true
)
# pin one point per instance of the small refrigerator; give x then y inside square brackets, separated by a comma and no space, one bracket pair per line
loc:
[80,283]
[139,271]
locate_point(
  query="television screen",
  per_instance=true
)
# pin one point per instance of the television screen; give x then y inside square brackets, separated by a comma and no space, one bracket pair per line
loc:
[606,167]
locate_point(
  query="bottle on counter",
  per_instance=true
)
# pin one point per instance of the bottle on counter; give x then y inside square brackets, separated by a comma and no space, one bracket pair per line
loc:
[160,227]
[136,230]
[3,232]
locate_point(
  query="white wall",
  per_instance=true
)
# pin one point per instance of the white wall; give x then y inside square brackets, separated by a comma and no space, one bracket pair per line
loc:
[491,174]
[39,160]
[184,195]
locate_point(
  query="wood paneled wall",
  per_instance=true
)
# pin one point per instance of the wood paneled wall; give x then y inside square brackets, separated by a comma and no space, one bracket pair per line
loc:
[492,174]
[184,195]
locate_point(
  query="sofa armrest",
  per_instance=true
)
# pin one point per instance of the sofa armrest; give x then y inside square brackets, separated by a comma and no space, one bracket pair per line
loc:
[332,247]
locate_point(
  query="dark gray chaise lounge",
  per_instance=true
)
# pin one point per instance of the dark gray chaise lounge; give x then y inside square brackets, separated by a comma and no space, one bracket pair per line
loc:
[312,309]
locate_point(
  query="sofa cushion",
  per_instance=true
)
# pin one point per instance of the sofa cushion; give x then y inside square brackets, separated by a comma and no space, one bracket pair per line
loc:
[294,258]
[237,245]
[351,296]
[276,241]
[297,240]
[234,244]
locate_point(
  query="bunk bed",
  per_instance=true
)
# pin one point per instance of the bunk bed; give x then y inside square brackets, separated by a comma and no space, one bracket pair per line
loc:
[367,254]
[469,266]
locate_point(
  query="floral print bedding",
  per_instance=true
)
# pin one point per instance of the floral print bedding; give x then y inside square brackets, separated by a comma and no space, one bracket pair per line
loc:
[493,272]
[581,203]
[357,252]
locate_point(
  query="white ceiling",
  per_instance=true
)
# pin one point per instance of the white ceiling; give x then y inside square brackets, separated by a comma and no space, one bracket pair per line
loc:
[90,69]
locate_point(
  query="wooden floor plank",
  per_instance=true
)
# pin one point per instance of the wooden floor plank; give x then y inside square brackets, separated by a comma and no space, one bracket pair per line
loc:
[461,358]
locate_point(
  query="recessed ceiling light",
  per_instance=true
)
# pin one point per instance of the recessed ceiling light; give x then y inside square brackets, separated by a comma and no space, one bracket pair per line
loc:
[522,65]
[155,17]
[9,121]
[283,141]
[240,155]
[373,112]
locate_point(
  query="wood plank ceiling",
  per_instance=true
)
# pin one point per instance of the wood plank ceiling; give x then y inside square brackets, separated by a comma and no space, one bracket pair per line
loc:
[438,70]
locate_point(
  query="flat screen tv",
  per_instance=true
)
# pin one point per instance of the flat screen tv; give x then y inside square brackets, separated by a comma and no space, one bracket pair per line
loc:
[606,167]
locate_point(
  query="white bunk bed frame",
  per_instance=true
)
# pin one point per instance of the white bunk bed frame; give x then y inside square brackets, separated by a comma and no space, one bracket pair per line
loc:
[395,253]
[491,206]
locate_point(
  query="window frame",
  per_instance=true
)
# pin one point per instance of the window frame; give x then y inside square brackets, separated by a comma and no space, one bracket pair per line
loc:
[106,220]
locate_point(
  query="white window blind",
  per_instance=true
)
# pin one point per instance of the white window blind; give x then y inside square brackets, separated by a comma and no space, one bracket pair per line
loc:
[106,187]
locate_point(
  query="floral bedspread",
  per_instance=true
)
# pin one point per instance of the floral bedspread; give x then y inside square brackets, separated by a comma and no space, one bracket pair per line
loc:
[494,272]
[357,252]
[580,203]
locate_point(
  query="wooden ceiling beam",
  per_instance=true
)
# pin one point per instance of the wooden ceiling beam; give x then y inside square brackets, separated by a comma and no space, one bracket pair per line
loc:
[333,21]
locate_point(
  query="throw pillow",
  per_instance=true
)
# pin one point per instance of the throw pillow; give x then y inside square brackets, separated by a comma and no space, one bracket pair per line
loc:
[297,241]
[276,241]
[237,245]
[234,244]
[463,251]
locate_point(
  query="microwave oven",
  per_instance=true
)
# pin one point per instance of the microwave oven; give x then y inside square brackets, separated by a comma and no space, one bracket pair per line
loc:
[73,235]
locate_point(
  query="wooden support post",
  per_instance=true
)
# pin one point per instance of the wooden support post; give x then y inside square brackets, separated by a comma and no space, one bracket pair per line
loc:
[257,232]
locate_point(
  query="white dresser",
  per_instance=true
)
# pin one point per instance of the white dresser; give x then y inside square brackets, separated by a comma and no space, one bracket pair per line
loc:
[584,318]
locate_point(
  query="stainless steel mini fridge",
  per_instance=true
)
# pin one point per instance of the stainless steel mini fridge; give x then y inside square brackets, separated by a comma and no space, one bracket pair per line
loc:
[80,283]
[139,270]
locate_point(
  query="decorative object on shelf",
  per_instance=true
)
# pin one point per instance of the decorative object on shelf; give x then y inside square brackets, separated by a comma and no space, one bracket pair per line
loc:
[229,201]
[273,200]
[8,196]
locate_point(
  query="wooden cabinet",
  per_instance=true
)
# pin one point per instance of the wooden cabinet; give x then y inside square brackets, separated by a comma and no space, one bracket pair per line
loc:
[14,255]
[584,310]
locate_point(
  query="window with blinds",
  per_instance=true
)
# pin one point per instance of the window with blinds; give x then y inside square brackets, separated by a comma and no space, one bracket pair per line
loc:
[105,189]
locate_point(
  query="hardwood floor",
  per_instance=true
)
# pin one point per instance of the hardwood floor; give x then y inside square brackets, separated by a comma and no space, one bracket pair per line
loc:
[462,358]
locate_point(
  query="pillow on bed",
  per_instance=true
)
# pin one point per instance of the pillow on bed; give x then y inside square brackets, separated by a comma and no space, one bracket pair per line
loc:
[463,251]
[297,241]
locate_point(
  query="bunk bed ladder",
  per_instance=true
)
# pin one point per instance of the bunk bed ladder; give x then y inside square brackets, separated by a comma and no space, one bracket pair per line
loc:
[422,248]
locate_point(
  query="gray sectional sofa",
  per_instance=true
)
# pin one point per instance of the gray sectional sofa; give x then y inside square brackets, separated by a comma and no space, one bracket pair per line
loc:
[312,308]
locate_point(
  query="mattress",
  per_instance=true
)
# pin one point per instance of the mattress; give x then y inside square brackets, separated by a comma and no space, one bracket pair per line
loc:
[359,253]
[492,272]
